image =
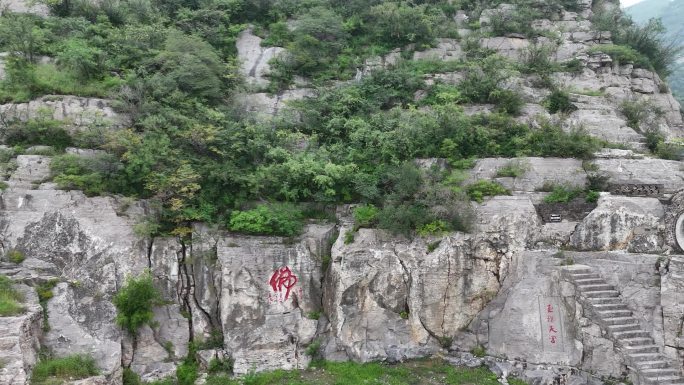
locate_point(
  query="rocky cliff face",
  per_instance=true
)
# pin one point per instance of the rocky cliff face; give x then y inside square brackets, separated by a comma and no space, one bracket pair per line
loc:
[261,301]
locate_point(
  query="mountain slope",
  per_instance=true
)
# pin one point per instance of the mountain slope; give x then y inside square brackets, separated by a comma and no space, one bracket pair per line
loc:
[672,13]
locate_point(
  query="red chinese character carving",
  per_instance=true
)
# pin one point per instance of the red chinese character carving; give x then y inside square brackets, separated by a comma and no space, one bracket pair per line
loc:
[553,339]
[549,318]
[283,278]
[552,329]
[549,308]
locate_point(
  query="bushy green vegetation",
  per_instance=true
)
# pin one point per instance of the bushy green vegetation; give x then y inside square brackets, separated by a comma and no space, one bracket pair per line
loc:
[513,169]
[15,256]
[268,219]
[135,301]
[485,188]
[365,215]
[10,298]
[559,101]
[349,373]
[193,152]
[562,194]
[57,370]
[643,45]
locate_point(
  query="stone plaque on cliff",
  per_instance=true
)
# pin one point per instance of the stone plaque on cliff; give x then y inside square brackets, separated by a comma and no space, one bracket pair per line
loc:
[551,323]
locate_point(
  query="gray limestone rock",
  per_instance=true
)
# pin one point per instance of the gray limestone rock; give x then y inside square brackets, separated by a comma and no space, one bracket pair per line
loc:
[621,223]
[510,47]
[19,339]
[537,172]
[254,59]
[269,287]
[78,113]
[643,171]
[446,50]
[25,6]
[425,297]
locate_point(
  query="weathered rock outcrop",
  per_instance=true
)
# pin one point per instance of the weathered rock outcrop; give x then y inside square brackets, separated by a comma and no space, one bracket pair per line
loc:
[19,339]
[424,296]
[76,112]
[622,223]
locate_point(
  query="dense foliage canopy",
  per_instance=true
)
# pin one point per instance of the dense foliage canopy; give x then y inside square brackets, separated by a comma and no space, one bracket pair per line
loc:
[172,66]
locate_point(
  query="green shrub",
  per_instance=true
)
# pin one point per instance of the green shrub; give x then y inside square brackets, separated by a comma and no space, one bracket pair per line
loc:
[433,228]
[517,21]
[130,377]
[186,373]
[365,215]
[653,49]
[478,351]
[623,54]
[507,101]
[593,196]
[485,188]
[440,94]
[134,302]
[220,366]
[313,315]
[73,367]
[10,298]
[268,219]
[313,349]
[669,151]
[559,101]
[562,194]
[638,112]
[513,169]
[348,237]
[94,175]
[43,131]
[15,256]
[516,381]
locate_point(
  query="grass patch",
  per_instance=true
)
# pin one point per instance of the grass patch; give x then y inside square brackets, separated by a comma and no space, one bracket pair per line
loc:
[10,298]
[47,79]
[419,372]
[485,188]
[57,370]
[514,169]
[562,194]
[15,256]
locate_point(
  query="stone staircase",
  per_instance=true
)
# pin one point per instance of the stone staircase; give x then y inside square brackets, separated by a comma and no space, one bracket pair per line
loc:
[602,302]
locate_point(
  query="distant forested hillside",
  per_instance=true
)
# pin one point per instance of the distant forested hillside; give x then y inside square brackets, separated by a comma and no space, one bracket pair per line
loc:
[672,13]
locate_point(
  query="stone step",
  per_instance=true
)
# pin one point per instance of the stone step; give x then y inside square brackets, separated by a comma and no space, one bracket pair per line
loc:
[577,276]
[631,334]
[614,313]
[624,327]
[644,357]
[590,281]
[659,372]
[601,294]
[620,321]
[664,379]
[610,306]
[652,364]
[596,287]
[607,300]
[637,341]
[642,349]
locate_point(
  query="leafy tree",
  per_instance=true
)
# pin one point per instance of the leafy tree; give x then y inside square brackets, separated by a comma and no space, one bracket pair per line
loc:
[21,35]
[82,60]
[134,302]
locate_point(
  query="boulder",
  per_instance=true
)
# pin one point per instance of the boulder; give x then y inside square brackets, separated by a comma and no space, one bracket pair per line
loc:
[621,223]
